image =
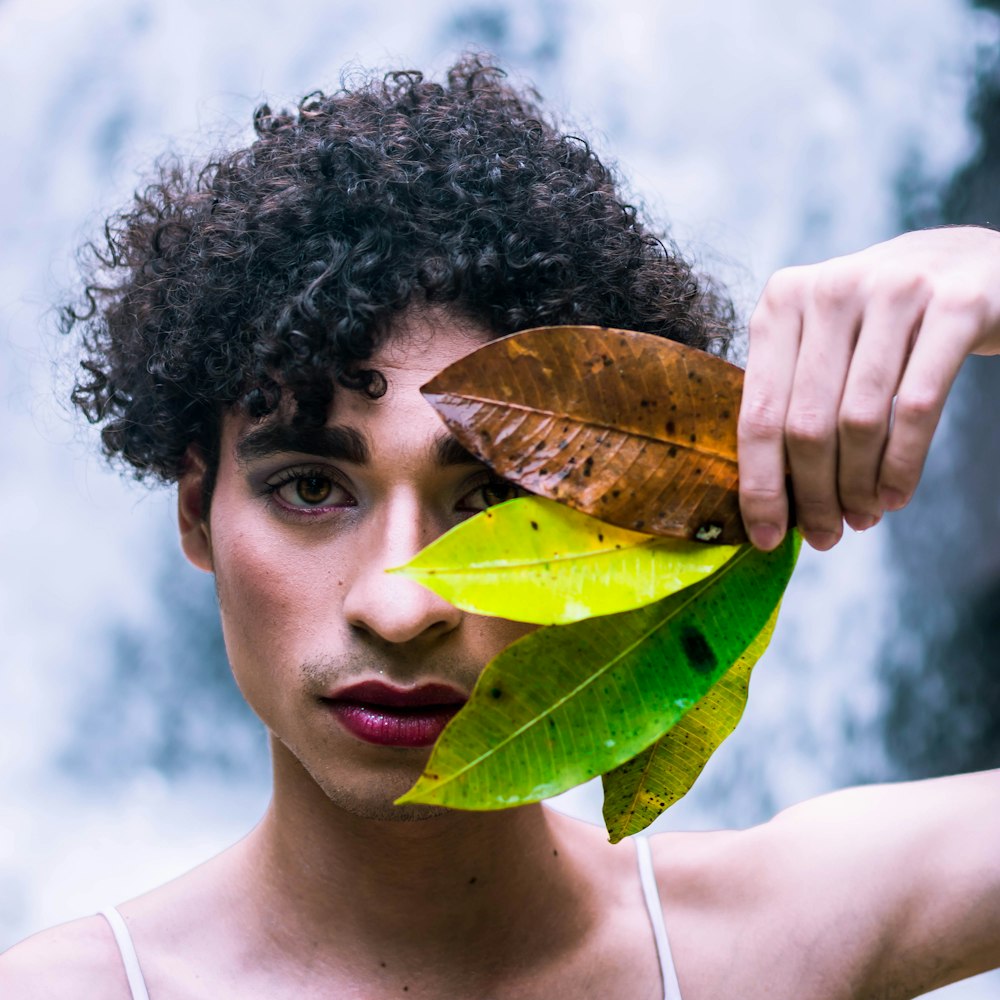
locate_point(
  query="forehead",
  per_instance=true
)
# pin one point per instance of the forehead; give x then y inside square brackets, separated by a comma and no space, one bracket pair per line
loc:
[420,344]
[416,349]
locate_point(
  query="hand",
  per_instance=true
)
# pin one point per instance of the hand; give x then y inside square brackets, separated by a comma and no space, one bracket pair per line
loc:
[831,346]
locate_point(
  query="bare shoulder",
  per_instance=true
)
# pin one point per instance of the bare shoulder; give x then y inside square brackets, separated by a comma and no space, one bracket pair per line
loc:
[78,960]
[885,890]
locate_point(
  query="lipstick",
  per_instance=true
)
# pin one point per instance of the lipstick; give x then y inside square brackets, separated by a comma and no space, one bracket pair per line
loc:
[396,717]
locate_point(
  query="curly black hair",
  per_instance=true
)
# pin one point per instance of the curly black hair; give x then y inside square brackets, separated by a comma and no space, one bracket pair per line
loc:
[275,271]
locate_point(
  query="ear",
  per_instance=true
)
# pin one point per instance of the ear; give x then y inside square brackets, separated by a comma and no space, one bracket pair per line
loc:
[192,520]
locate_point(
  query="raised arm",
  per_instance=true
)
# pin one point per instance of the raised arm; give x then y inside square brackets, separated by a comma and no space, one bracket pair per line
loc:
[850,364]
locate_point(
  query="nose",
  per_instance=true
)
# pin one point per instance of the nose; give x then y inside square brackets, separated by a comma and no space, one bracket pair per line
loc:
[388,606]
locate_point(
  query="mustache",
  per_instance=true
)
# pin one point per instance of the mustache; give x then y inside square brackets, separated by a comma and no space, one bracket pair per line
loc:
[324,673]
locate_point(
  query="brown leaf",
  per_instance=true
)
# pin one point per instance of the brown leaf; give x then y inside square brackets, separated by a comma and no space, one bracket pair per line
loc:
[631,428]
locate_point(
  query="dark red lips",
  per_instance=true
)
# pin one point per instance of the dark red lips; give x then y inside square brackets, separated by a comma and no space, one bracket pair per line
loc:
[396,717]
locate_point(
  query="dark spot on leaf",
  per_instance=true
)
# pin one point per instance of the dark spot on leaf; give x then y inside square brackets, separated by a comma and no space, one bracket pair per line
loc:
[639,525]
[724,414]
[672,451]
[644,403]
[616,493]
[670,423]
[472,881]
[697,650]
[692,438]
[496,693]
[600,537]
[534,526]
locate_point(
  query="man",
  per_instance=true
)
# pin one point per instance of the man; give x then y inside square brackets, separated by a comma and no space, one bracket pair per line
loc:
[259,331]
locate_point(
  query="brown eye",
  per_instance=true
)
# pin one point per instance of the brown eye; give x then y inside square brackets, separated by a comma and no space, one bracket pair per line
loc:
[500,491]
[309,490]
[489,494]
[313,489]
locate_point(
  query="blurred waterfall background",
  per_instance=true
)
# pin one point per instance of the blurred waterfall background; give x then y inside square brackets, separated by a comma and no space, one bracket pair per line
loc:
[761,134]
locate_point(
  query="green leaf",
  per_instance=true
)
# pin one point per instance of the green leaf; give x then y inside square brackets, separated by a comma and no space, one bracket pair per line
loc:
[536,560]
[569,702]
[639,790]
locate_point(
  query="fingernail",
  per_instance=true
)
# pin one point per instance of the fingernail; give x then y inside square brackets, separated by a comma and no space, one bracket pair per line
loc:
[822,540]
[892,499]
[765,536]
[861,522]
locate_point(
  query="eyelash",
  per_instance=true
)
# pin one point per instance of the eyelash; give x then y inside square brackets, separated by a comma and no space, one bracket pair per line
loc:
[271,490]
[495,481]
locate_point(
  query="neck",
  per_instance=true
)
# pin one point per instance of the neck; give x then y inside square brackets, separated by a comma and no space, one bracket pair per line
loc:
[455,885]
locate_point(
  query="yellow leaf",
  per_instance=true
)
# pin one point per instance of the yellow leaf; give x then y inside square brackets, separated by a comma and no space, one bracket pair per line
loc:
[536,560]
[636,792]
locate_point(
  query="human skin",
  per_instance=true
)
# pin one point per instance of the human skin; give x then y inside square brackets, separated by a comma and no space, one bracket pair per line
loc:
[307,607]
[837,348]
[305,601]
[885,891]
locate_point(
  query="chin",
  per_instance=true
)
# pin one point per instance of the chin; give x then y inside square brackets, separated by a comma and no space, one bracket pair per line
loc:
[387,812]
[377,803]
[367,793]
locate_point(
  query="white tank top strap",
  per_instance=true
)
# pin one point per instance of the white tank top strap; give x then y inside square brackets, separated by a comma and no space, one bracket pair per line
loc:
[647,878]
[651,894]
[129,958]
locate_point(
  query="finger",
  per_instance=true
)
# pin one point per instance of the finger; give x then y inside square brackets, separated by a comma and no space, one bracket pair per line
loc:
[938,352]
[775,328]
[876,368]
[811,425]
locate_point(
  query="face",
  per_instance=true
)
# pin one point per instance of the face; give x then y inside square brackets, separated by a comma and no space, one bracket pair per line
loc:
[353,670]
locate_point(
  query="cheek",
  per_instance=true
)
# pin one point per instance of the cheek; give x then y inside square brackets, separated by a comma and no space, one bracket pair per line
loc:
[279,607]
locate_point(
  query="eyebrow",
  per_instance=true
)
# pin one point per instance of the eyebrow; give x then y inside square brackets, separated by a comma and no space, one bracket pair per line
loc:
[339,443]
[448,450]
